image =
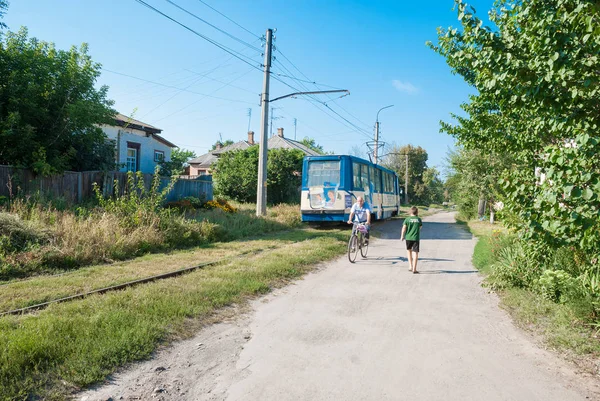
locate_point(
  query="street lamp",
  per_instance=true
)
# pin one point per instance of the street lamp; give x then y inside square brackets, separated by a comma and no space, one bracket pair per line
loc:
[377,131]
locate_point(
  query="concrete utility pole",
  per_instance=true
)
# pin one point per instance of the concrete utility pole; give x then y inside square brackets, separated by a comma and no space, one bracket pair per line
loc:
[261,190]
[295,125]
[375,151]
[406,182]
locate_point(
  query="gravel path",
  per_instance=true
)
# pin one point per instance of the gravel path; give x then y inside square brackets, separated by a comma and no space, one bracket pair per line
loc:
[365,331]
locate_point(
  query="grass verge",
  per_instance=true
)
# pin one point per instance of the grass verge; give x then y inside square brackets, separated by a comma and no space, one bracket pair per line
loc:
[72,345]
[558,325]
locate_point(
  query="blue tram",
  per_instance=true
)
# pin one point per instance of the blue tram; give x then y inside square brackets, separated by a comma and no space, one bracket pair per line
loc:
[331,184]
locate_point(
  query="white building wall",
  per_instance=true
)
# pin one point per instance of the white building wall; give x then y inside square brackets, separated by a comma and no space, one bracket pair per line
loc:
[148,145]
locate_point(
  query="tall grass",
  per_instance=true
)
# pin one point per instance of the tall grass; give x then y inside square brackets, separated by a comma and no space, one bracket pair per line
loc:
[38,238]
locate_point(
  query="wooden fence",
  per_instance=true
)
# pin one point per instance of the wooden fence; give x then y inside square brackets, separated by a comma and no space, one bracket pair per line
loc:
[75,187]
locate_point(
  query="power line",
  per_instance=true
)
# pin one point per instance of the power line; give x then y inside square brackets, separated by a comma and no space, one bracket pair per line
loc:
[175,87]
[227,83]
[302,80]
[362,130]
[223,15]
[352,125]
[314,83]
[213,26]
[193,103]
[220,46]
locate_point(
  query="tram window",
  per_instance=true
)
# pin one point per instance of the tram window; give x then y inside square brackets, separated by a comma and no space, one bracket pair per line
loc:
[323,173]
[356,175]
[388,187]
[377,180]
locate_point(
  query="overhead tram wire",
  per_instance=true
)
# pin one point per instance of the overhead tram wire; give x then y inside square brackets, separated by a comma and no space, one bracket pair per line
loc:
[351,124]
[216,90]
[174,87]
[223,15]
[316,85]
[237,55]
[300,82]
[213,26]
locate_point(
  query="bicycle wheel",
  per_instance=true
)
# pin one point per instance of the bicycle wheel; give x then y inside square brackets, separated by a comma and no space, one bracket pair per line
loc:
[364,246]
[352,248]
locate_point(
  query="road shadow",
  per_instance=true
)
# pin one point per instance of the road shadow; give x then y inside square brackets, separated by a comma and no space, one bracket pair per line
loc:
[431,231]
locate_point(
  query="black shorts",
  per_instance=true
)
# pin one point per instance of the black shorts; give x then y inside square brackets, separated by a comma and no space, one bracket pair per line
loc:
[412,246]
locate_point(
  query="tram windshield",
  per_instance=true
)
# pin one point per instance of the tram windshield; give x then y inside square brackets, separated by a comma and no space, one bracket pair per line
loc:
[323,173]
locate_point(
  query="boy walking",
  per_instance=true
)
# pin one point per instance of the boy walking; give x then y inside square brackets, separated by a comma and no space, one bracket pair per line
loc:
[411,230]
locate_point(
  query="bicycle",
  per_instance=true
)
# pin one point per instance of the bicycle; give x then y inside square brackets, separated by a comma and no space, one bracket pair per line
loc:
[358,242]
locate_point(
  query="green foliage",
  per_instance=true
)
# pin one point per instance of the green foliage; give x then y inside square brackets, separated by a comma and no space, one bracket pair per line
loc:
[517,264]
[50,107]
[3,7]
[417,164]
[474,175]
[538,97]
[176,166]
[235,175]
[557,285]
[433,187]
[221,144]
[137,205]
[313,145]
[284,168]
[187,203]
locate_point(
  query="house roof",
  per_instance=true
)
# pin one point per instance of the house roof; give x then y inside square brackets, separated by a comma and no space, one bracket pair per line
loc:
[164,141]
[279,142]
[125,121]
[205,160]
[275,142]
[128,122]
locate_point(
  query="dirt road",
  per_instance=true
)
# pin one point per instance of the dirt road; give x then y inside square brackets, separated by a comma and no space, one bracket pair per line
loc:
[365,331]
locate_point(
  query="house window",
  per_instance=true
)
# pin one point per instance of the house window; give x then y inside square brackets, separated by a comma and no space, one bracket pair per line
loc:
[159,156]
[133,156]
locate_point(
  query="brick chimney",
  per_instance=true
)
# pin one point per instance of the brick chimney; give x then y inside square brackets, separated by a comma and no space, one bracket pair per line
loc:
[218,146]
[280,132]
[251,137]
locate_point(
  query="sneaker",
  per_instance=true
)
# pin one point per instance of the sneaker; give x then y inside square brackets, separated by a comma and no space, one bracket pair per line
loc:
[367,241]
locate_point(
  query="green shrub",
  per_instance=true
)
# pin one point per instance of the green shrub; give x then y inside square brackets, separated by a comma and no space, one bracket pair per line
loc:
[558,286]
[517,265]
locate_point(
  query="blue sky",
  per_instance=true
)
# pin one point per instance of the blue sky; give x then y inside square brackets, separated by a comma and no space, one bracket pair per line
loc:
[375,49]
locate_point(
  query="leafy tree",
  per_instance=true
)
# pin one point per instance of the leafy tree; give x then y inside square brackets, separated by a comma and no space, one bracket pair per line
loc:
[474,175]
[176,166]
[417,163]
[235,175]
[50,109]
[538,93]
[312,144]
[223,144]
[284,170]
[434,186]
[3,8]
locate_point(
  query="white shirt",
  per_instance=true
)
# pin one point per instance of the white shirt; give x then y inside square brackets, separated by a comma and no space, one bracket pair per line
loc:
[360,213]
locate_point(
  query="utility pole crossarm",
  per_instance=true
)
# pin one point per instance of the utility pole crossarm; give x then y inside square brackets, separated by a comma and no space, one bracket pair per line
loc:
[347,92]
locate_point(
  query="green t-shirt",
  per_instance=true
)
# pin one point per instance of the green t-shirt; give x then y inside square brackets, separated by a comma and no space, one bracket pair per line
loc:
[413,226]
